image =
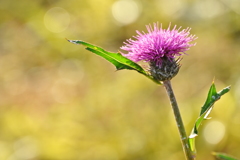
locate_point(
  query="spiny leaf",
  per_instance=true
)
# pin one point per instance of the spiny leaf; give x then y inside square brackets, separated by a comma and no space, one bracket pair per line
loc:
[223,156]
[118,60]
[212,91]
[212,97]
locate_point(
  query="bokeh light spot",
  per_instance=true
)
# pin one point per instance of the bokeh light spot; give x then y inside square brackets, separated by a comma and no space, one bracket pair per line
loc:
[26,148]
[133,141]
[71,69]
[56,19]
[171,7]
[209,8]
[63,90]
[214,132]
[125,11]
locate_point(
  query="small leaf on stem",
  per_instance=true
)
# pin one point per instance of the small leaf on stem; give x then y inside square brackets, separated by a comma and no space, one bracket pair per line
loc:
[212,97]
[223,156]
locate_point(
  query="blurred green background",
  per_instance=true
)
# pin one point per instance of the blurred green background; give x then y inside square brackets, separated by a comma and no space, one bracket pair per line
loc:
[61,102]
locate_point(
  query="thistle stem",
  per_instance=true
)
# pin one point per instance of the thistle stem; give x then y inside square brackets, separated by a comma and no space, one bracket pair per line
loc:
[184,139]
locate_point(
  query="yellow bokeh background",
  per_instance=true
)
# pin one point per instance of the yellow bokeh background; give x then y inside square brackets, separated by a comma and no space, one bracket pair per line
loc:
[61,102]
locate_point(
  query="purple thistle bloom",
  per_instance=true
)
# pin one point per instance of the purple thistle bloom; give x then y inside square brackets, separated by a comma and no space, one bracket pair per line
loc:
[158,44]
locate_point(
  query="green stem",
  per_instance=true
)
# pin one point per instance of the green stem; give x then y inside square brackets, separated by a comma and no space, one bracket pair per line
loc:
[184,139]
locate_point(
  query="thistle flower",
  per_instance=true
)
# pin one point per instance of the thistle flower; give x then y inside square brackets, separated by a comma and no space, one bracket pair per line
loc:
[160,47]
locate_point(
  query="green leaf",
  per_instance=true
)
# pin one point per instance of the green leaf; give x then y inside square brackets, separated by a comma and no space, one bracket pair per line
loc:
[118,60]
[212,97]
[223,156]
[212,91]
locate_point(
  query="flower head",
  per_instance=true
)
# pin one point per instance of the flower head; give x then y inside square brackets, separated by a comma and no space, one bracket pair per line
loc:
[159,46]
[158,43]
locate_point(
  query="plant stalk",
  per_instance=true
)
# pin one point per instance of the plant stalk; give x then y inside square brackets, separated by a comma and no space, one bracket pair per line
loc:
[183,136]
